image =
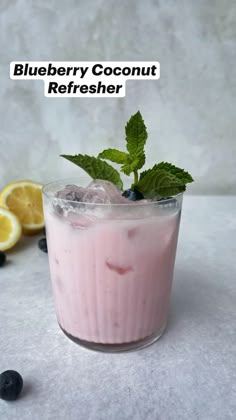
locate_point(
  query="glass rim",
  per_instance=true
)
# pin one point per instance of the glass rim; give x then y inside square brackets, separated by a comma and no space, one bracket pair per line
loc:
[134,203]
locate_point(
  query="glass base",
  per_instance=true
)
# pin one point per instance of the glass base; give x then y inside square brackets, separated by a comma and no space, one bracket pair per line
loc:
[117,348]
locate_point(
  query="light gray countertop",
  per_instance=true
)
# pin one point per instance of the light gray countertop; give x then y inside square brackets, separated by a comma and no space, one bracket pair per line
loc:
[190,373]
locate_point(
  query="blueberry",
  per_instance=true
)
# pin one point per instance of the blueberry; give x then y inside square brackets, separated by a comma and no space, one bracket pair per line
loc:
[133,195]
[11,384]
[42,244]
[2,258]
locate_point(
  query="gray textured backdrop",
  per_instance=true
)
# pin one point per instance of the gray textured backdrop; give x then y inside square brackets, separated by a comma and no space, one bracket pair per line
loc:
[189,112]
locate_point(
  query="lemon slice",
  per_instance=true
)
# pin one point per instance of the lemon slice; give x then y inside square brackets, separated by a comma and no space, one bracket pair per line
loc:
[24,199]
[10,229]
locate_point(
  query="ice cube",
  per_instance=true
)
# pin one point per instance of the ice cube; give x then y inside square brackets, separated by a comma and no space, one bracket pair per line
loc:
[83,195]
[106,186]
[112,192]
[97,192]
[70,192]
[95,196]
[89,201]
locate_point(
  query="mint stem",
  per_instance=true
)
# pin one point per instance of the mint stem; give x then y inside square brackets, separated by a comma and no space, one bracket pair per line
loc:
[135,176]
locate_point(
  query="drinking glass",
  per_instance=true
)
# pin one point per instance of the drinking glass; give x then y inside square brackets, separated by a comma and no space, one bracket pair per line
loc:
[111,267]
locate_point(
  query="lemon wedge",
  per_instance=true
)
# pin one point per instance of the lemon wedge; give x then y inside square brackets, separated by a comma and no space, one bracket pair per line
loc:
[10,229]
[24,199]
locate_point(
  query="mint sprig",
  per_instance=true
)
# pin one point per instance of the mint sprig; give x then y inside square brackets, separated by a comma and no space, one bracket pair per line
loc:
[163,180]
[136,136]
[96,168]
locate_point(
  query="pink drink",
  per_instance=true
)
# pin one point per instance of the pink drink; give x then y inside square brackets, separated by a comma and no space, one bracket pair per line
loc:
[112,274]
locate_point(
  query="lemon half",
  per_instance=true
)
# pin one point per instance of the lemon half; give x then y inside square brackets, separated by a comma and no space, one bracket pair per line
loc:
[24,199]
[10,229]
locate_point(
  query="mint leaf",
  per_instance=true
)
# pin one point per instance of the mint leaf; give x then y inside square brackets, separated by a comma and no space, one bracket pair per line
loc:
[136,136]
[132,165]
[96,168]
[174,170]
[159,182]
[159,176]
[127,168]
[113,155]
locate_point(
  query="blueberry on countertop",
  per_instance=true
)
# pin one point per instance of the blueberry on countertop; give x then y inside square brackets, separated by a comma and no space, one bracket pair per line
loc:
[11,384]
[2,258]
[42,244]
[133,195]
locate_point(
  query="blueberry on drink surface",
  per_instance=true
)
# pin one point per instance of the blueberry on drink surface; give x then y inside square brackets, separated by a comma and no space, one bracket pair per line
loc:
[42,244]
[133,195]
[11,384]
[2,258]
